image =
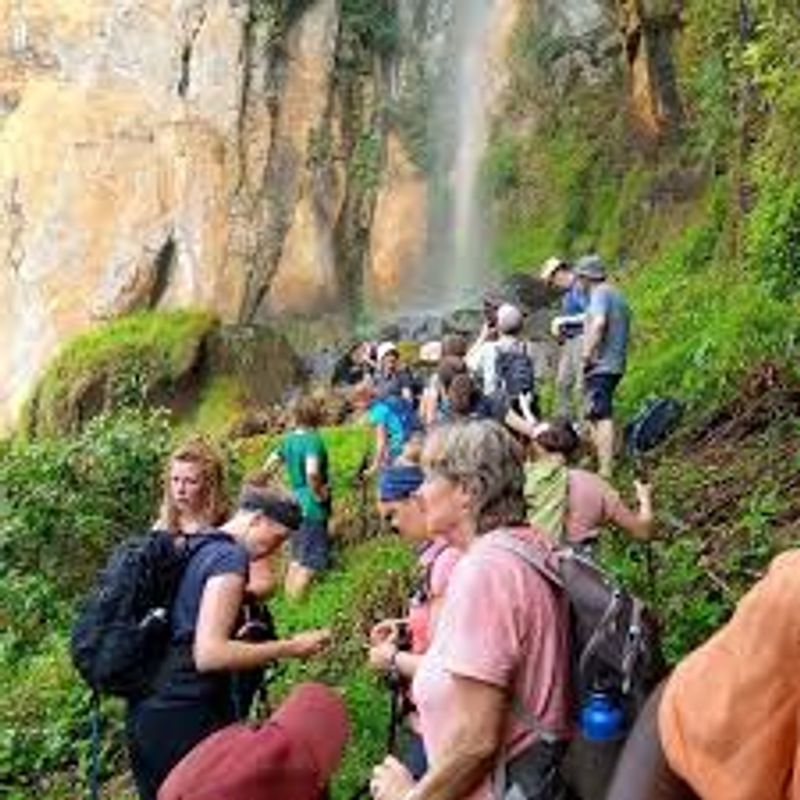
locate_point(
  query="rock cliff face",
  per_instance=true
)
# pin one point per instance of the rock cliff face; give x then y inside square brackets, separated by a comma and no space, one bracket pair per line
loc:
[119,159]
[208,153]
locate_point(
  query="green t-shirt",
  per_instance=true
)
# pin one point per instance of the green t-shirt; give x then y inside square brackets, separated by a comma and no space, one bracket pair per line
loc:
[295,448]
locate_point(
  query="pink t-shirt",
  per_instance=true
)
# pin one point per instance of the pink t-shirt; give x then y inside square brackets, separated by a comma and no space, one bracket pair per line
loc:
[502,623]
[593,502]
[438,560]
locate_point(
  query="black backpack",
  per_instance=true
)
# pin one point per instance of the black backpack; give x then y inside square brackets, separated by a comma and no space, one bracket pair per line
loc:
[514,370]
[122,633]
[659,418]
[615,641]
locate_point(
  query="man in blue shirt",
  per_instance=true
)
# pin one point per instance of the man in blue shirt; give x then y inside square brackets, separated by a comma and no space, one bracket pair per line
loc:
[605,351]
[567,328]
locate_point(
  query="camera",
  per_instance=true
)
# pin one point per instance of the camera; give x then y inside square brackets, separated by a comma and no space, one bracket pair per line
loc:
[403,638]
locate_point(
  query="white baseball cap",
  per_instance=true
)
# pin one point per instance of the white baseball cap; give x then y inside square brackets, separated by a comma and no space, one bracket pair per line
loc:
[509,318]
[384,348]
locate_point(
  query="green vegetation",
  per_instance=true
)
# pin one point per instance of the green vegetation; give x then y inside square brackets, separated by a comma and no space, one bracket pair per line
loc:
[64,503]
[369,584]
[80,494]
[365,162]
[702,230]
[220,402]
[705,226]
[371,25]
[137,359]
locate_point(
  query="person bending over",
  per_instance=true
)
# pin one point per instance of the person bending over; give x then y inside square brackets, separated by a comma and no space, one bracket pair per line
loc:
[571,504]
[193,695]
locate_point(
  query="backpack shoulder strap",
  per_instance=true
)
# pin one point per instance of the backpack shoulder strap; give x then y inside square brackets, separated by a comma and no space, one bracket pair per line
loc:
[530,554]
[536,559]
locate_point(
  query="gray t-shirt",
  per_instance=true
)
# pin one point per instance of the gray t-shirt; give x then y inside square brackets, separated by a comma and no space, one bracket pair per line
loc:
[608,302]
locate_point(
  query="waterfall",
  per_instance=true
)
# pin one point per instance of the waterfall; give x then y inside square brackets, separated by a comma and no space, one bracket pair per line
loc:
[468,247]
[456,64]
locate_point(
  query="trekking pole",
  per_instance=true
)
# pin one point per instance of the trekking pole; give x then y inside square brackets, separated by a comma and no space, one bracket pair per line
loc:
[396,700]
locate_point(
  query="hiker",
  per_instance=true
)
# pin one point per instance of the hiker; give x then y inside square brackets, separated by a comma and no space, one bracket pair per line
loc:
[397,644]
[453,353]
[485,676]
[392,378]
[194,501]
[480,356]
[605,348]
[355,365]
[395,421]
[571,504]
[193,696]
[724,726]
[506,365]
[464,400]
[303,453]
[567,328]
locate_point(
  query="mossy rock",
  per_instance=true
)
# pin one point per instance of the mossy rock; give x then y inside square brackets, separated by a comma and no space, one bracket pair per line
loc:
[152,358]
[260,359]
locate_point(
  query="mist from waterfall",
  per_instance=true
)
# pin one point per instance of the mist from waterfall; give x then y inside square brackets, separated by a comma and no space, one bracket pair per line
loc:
[458,230]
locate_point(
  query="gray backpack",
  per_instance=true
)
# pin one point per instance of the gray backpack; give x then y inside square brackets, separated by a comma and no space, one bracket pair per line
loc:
[615,639]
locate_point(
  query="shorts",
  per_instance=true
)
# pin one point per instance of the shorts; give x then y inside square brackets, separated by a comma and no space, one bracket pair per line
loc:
[599,392]
[311,545]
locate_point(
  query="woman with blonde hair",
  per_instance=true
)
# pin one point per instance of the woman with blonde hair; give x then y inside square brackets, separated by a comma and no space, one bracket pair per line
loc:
[493,689]
[194,500]
[193,496]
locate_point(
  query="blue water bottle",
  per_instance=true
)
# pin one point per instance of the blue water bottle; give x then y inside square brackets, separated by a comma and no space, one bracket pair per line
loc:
[602,718]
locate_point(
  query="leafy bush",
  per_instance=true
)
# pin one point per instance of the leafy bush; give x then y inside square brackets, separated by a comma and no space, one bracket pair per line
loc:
[371,23]
[79,495]
[774,237]
[45,725]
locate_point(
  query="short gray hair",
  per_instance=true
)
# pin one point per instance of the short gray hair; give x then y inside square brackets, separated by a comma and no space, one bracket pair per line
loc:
[483,458]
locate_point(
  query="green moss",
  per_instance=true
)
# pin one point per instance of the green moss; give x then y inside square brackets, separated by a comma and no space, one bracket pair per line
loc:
[221,402]
[124,362]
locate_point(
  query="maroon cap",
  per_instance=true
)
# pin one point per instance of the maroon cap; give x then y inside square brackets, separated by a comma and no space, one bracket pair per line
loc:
[292,756]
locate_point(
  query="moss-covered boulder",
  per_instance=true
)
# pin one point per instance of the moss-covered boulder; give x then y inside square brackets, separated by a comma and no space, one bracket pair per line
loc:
[148,358]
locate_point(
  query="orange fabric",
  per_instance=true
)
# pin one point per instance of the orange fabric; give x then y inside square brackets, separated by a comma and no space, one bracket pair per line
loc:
[729,716]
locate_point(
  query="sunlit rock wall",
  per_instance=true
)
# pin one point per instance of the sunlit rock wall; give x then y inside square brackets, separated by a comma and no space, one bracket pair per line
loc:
[118,160]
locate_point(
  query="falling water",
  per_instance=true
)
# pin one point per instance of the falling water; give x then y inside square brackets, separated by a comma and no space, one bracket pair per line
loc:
[458,232]
[469,246]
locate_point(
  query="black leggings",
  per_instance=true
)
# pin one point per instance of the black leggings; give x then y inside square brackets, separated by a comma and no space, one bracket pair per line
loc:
[160,733]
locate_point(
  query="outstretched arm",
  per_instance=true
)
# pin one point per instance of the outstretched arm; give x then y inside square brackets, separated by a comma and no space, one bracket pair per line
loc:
[214,648]
[638,524]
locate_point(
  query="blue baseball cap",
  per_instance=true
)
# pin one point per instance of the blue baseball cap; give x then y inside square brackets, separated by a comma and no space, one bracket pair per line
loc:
[399,482]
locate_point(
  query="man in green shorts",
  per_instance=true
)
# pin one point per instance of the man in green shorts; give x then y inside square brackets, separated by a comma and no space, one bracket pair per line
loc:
[305,457]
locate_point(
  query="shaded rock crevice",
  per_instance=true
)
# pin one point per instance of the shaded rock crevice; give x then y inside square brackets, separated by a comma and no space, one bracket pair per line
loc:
[185,77]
